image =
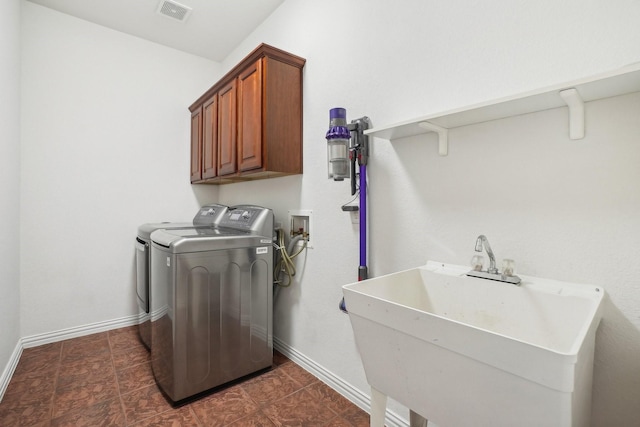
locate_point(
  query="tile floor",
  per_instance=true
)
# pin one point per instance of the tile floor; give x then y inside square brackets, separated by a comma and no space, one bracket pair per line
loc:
[105,379]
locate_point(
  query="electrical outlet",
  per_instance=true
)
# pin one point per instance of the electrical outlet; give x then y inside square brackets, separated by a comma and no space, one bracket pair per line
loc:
[301,222]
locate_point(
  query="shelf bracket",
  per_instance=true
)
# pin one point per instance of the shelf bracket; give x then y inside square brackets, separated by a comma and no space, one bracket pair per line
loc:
[576,112]
[443,136]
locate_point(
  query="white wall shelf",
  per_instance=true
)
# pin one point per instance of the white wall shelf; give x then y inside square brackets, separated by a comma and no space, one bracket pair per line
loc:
[572,95]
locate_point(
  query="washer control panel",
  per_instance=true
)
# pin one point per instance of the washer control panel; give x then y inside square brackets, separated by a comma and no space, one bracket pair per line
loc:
[249,218]
[209,214]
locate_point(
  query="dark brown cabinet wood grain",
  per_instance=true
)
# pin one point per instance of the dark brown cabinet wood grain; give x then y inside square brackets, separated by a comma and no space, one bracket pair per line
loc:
[249,124]
[196,145]
[227,130]
[250,117]
[210,138]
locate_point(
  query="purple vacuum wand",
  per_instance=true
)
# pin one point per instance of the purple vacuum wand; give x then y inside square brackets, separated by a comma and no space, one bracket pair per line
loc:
[338,138]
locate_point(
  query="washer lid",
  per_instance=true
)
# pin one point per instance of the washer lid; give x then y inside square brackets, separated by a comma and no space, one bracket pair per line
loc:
[207,239]
[145,230]
[207,216]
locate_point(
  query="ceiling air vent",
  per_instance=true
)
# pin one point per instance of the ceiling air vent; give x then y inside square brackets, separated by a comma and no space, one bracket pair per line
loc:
[174,10]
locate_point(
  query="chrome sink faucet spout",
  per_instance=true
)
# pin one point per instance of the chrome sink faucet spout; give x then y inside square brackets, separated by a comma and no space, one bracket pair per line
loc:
[481,242]
[492,272]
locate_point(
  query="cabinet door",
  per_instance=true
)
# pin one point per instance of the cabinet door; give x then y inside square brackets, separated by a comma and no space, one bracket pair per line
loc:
[250,117]
[227,129]
[196,145]
[210,138]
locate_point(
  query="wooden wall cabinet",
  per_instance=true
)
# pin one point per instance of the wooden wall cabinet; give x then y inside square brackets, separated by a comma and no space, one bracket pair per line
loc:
[227,130]
[210,139]
[249,124]
[196,145]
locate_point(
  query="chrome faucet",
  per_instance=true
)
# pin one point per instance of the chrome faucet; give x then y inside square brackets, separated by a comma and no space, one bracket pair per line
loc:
[492,272]
[483,241]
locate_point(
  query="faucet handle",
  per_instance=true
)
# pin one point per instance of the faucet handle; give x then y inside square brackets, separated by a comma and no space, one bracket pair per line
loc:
[508,267]
[477,262]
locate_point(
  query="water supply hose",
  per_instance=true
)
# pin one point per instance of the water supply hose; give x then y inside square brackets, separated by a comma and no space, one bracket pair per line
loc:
[284,263]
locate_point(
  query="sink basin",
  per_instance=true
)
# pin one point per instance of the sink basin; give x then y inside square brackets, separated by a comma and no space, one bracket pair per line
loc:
[464,351]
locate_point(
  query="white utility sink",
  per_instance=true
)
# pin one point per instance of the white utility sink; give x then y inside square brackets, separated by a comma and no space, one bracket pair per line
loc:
[463,351]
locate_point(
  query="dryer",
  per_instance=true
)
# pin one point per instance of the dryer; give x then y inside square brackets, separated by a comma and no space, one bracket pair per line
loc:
[207,216]
[212,293]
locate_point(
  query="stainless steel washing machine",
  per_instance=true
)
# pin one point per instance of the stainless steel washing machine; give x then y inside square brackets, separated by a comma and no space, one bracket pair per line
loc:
[212,292]
[207,216]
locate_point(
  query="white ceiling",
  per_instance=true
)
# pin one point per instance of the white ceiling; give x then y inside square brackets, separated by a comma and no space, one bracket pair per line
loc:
[212,30]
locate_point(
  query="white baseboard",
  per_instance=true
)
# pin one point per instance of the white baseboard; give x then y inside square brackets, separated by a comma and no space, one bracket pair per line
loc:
[55,336]
[9,369]
[356,396]
[78,331]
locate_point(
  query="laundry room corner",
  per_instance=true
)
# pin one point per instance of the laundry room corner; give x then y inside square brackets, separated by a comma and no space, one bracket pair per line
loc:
[9,186]
[105,150]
